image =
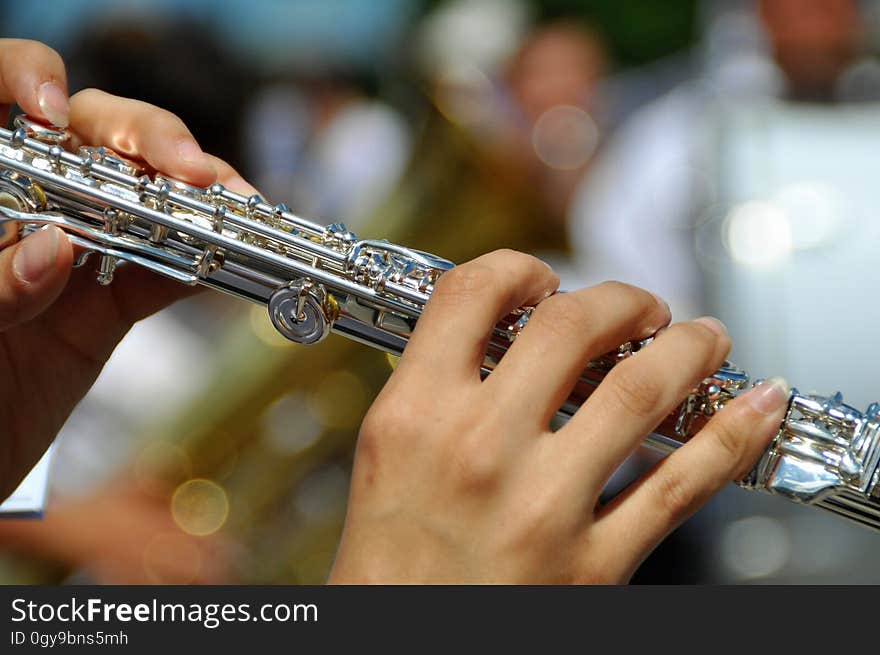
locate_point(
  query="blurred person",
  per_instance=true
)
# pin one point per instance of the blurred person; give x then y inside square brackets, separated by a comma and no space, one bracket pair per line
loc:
[638,217]
[517,125]
[325,146]
[484,498]
[634,218]
[813,43]
[553,79]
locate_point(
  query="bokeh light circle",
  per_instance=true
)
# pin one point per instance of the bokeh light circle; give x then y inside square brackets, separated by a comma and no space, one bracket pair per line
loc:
[200,507]
[565,137]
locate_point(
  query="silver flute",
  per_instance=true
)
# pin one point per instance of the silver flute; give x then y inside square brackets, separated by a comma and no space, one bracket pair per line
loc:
[315,279]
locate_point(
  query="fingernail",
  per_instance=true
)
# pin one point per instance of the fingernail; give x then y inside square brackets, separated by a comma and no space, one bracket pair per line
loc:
[53,103]
[36,255]
[769,396]
[713,324]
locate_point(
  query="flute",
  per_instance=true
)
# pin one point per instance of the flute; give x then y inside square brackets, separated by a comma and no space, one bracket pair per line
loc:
[314,279]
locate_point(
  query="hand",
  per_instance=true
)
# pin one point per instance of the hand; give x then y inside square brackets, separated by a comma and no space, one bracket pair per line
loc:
[121,534]
[458,480]
[57,329]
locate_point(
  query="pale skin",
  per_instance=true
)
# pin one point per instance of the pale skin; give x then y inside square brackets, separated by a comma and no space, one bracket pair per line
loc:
[456,479]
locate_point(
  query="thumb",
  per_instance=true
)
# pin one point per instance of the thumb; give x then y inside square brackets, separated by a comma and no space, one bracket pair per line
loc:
[33,273]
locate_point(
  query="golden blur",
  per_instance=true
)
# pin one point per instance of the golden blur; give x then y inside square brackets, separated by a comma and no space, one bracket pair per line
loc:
[199,507]
[159,465]
[263,329]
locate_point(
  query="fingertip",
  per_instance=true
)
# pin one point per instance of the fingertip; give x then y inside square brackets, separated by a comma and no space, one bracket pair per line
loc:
[657,320]
[37,255]
[713,325]
[769,397]
[32,75]
[239,185]
[32,274]
[229,178]
[548,285]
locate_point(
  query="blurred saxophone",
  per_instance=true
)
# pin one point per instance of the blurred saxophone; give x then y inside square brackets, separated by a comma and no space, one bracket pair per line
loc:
[314,279]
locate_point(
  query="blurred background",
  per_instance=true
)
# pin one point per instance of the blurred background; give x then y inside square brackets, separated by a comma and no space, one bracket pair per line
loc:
[719,153]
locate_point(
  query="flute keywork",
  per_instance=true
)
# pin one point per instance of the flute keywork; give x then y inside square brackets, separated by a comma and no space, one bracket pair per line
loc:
[314,279]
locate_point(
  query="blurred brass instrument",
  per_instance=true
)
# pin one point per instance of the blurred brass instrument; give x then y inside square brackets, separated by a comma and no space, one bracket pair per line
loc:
[315,279]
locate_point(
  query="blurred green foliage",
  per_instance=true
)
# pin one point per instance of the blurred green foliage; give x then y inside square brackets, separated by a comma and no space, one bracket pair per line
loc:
[637,31]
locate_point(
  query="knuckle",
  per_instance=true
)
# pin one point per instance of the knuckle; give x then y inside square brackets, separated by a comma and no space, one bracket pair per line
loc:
[507,253]
[369,448]
[87,94]
[513,259]
[537,518]
[388,424]
[464,283]
[384,418]
[477,462]
[563,314]
[676,495]
[54,57]
[29,50]
[167,120]
[618,288]
[698,336]
[537,522]
[159,121]
[635,391]
[637,296]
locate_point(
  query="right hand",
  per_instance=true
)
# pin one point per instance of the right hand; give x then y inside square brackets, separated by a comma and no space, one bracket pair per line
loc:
[461,480]
[58,328]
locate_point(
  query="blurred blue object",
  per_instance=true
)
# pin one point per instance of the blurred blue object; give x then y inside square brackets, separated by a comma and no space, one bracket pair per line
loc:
[273,34]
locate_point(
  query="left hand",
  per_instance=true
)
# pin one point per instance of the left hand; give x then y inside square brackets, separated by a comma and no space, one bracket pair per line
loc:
[58,327]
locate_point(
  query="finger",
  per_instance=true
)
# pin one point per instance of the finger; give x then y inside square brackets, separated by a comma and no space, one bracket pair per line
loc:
[140,130]
[638,394]
[95,317]
[231,179]
[467,302]
[33,75]
[566,331]
[33,273]
[723,451]
[140,292]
